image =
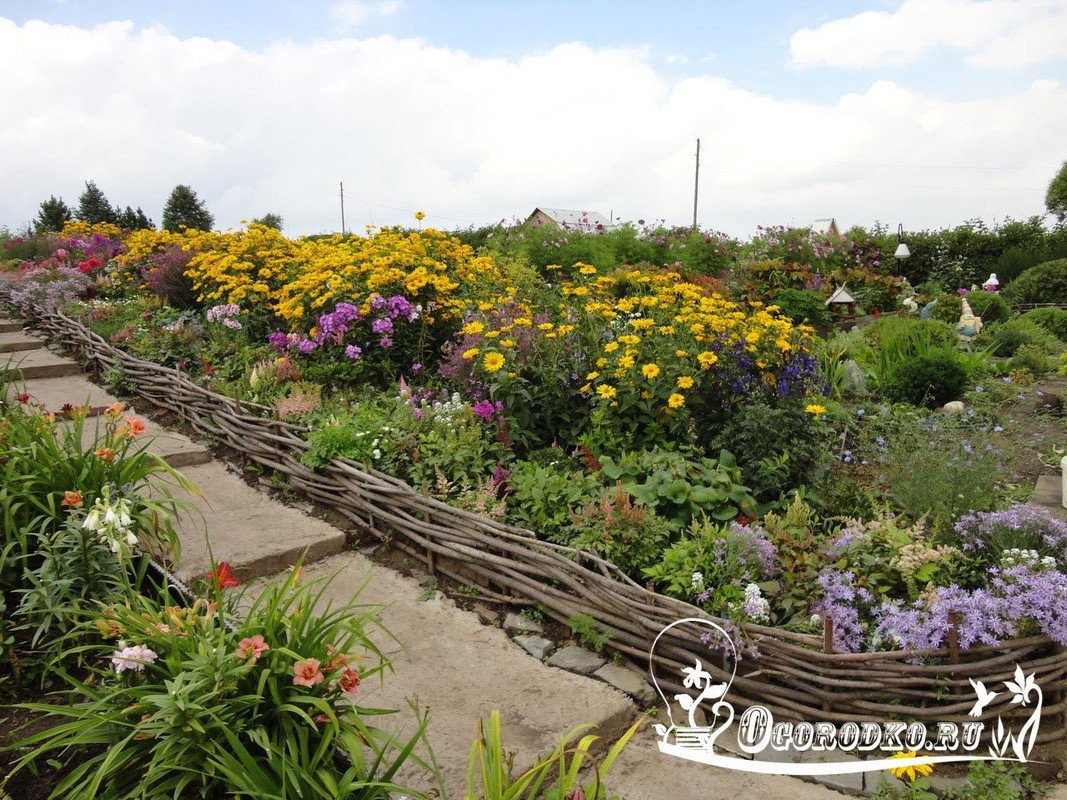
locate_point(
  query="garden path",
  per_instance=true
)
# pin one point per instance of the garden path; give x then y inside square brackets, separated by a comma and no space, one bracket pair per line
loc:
[443,656]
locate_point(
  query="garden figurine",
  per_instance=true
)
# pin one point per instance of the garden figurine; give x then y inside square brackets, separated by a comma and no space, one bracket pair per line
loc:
[991,283]
[969,325]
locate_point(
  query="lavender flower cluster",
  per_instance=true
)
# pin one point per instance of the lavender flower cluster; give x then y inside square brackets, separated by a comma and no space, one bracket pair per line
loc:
[989,530]
[225,314]
[332,327]
[44,287]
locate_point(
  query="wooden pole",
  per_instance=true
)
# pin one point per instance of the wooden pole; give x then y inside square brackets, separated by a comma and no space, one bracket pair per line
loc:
[342,208]
[696,187]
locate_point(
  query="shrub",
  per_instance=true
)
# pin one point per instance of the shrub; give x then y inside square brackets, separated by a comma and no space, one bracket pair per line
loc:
[1045,283]
[929,380]
[1006,338]
[166,276]
[892,340]
[948,309]
[544,497]
[779,448]
[990,306]
[1032,358]
[1053,320]
[803,307]
[622,532]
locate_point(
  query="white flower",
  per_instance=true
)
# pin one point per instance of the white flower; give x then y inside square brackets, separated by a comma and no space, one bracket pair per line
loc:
[132,658]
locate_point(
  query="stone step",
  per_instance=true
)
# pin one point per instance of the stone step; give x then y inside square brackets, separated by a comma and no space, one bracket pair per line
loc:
[462,669]
[255,534]
[52,394]
[178,450]
[17,341]
[31,364]
[9,325]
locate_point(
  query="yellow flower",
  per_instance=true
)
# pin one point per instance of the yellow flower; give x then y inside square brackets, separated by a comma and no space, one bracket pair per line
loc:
[676,400]
[817,410]
[545,326]
[472,327]
[680,353]
[592,376]
[611,347]
[507,343]
[629,338]
[643,323]
[910,772]
[585,388]
[468,354]
[685,382]
[606,392]
[626,362]
[420,216]
[601,362]
[493,361]
[706,359]
[650,371]
[587,269]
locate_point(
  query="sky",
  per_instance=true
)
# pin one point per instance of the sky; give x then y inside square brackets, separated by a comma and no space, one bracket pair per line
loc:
[926,113]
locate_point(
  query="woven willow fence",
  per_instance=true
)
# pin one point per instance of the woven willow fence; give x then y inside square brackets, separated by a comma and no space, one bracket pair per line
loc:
[796,676]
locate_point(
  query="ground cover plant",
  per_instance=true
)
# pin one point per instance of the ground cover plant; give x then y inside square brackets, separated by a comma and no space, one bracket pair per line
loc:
[638,393]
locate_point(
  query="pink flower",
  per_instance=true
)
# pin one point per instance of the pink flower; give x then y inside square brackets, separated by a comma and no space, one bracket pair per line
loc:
[349,681]
[307,673]
[252,647]
[132,658]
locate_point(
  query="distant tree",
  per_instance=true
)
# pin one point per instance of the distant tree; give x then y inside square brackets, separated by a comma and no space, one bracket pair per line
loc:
[1056,196]
[271,221]
[134,220]
[93,206]
[52,215]
[185,210]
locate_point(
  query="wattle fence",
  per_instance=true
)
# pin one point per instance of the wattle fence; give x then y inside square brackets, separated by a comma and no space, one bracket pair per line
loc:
[796,676]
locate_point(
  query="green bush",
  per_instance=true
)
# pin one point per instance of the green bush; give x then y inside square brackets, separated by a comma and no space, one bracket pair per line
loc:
[545,496]
[779,448]
[948,309]
[1053,320]
[1006,338]
[803,307]
[929,380]
[990,306]
[892,340]
[1033,357]
[1045,283]
[620,531]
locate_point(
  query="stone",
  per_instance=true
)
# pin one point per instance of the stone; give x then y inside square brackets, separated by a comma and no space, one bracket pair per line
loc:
[576,659]
[955,407]
[485,614]
[537,646]
[853,381]
[517,623]
[627,681]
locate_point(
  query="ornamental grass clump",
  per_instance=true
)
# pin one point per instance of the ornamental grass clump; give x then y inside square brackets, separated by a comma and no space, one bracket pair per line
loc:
[203,701]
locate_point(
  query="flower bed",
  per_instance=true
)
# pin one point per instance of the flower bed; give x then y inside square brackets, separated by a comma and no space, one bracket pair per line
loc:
[794,675]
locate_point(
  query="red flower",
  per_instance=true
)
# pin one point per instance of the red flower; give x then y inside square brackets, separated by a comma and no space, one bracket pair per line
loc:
[307,673]
[24,398]
[223,576]
[349,681]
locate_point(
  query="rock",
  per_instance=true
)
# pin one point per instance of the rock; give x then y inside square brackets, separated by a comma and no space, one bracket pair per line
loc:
[853,381]
[537,646]
[576,659]
[517,623]
[955,407]
[369,550]
[1044,770]
[627,681]
[485,614]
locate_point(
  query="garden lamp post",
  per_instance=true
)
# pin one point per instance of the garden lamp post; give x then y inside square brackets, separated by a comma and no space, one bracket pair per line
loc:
[902,251]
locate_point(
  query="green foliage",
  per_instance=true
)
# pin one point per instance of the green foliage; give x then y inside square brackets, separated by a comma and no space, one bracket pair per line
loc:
[52,215]
[356,434]
[928,380]
[588,632]
[1034,358]
[1053,320]
[1007,337]
[680,489]
[545,496]
[184,209]
[893,340]
[990,306]
[996,780]
[620,531]
[792,534]
[555,776]
[212,707]
[948,308]
[803,306]
[780,448]
[93,206]
[1056,195]
[129,219]
[270,221]
[1045,283]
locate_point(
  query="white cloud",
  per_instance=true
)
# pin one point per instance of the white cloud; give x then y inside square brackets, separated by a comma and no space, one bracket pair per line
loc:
[994,34]
[352,14]
[470,140]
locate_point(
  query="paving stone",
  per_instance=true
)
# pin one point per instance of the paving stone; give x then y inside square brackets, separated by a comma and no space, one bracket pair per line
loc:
[629,682]
[19,341]
[486,614]
[10,325]
[255,534]
[537,646]
[54,393]
[576,659]
[517,623]
[30,364]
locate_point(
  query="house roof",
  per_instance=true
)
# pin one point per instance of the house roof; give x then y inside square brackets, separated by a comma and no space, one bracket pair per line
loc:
[583,220]
[824,226]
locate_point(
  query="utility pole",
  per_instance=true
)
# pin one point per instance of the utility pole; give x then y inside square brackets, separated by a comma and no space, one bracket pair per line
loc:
[696,187]
[342,208]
